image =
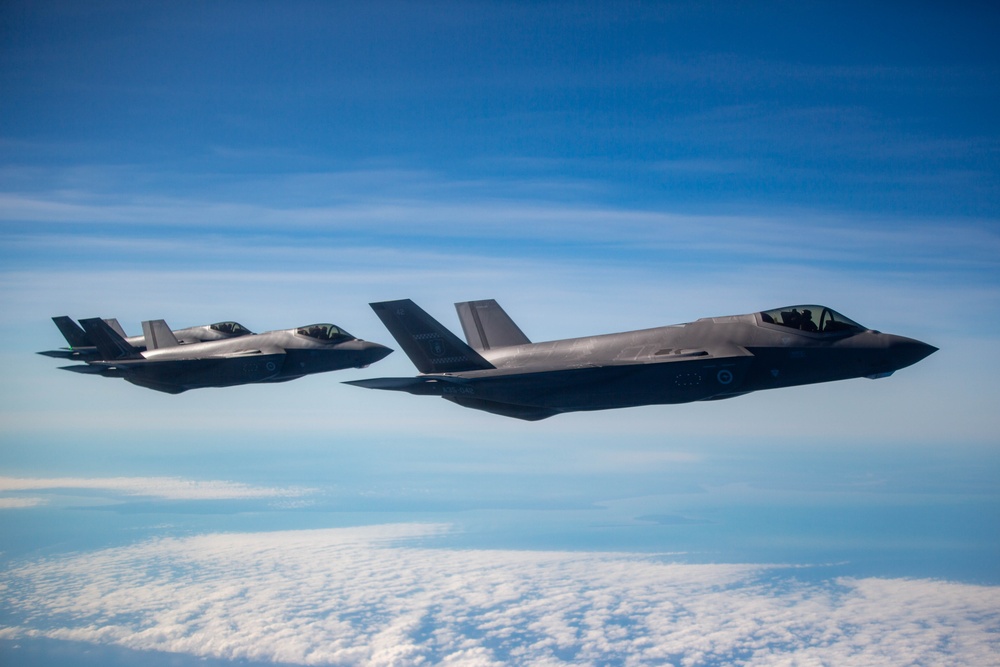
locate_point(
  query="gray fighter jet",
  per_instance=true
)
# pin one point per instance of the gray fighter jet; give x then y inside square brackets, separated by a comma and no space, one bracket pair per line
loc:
[82,348]
[274,356]
[502,372]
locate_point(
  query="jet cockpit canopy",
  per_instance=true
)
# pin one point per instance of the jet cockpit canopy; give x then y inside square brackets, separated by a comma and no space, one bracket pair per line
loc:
[324,332]
[819,319]
[231,328]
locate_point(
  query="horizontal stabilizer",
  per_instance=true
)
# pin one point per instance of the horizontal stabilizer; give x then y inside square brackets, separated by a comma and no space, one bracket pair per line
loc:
[428,344]
[421,386]
[391,384]
[158,335]
[487,325]
[111,345]
[72,332]
[60,354]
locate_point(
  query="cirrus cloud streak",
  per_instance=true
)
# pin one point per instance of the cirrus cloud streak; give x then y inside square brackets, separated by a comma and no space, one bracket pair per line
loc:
[170,488]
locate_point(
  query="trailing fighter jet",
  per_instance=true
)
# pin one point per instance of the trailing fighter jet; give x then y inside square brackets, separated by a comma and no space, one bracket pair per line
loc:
[82,348]
[502,372]
[274,356]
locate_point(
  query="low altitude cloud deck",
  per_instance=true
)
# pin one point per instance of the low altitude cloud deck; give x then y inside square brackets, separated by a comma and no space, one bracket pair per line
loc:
[369,596]
[407,593]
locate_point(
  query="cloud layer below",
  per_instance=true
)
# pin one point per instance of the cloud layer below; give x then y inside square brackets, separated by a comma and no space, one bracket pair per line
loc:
[170,488]
[376,596]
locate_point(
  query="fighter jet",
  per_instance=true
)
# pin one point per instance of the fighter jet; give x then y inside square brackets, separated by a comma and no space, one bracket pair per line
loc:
[502,372]
[274,356]
[82,348]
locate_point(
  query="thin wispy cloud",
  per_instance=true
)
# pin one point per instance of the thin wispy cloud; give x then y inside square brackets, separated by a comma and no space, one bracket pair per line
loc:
[183,228]
[20,503]
[169,488]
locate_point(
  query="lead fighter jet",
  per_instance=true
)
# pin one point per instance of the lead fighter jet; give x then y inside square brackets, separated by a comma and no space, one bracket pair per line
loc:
[274,356]
[502,372]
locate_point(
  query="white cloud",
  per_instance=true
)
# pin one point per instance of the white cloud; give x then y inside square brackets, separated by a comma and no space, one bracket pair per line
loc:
[20,503]
[365,596]
[171,488]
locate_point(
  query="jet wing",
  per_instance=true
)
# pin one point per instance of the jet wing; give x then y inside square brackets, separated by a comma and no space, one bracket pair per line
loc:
[181,374]
[253,356]
[85,369]
[537,393]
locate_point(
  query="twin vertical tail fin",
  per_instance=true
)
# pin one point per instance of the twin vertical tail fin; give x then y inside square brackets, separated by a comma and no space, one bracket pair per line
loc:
[114,324]
[111,345]
[158,335]
[428,344]
[72,332]
[77,337]
[487,325]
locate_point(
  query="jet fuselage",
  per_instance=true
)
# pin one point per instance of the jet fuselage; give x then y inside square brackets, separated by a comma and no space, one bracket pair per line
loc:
[709,359]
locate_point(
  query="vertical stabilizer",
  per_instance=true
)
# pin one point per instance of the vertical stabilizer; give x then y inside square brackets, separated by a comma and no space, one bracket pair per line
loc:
[72,332]
[111,346]
[158,335]
[430,346]
[487,325]
[113,323]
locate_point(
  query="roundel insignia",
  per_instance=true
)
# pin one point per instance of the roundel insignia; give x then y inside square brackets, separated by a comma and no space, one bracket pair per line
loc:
[270,366]
[724,376]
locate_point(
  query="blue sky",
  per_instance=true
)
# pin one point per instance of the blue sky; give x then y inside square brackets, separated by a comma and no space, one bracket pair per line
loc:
[594,169]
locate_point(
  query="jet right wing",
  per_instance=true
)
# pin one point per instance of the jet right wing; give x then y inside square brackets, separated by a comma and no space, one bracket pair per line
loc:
[428,344]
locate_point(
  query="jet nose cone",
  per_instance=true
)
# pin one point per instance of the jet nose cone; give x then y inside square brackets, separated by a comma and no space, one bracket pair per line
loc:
[907,351]
[372,352]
